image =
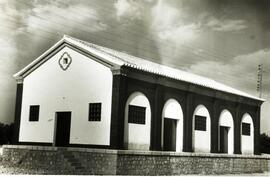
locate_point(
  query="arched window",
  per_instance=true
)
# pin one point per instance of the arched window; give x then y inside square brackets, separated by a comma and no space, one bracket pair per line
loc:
[247,135]
[226,132]
[201,129]
[137,122]
[172,126]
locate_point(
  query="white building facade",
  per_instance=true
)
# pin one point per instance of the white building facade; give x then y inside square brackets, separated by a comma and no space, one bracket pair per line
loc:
[56,90]
[81,94]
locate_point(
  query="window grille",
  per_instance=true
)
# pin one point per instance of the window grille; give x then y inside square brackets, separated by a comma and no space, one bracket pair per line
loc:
[136,114]
[34,113]
[245,129]
[200,123]
[94,112]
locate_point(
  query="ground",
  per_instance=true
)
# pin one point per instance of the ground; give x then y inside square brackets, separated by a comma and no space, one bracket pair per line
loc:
[19,171]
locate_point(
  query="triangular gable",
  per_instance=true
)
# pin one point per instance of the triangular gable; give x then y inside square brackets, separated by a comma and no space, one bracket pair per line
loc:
[67,41]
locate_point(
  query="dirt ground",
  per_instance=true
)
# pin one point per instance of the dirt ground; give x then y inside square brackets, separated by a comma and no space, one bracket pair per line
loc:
[18,171]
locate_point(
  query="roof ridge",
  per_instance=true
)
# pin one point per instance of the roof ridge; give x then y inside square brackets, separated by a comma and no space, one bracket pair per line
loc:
[113,53]
[99,47]
[95,46]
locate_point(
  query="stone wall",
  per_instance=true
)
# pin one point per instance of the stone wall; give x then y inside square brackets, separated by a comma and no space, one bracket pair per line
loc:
[52,160]
[176,164]
[45,160]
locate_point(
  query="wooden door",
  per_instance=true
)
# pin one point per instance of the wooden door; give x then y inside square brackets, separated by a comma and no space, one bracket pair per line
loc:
[63,120]
[169,138]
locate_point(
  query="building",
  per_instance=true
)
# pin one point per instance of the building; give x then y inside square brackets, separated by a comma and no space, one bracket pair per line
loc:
[84,95]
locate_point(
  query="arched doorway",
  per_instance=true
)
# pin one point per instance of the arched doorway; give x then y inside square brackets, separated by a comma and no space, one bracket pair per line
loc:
[247,135]
[201,129]
[137,122]
[172,126]
[226,132]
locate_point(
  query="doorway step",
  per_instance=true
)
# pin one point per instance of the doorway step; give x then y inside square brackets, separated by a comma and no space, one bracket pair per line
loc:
[70,158]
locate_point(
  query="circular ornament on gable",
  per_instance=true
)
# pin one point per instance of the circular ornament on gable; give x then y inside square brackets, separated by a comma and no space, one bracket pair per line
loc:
[65,61]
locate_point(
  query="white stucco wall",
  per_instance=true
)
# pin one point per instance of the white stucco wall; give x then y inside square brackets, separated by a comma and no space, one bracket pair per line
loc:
[201,139]
[173,110]
[247,142]
[137,136]
[226,120]
[55,90]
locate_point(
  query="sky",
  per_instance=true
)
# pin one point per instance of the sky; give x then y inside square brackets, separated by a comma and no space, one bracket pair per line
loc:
[224,40]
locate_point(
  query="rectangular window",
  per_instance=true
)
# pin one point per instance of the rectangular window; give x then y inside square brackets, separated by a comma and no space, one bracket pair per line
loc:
[34,113]
[245,129]
[65,61]
[200,123]
[136,114]
[94,112]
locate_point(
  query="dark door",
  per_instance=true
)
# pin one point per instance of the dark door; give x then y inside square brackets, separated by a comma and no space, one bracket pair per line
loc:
[169,138]
[62,128]
[224,139]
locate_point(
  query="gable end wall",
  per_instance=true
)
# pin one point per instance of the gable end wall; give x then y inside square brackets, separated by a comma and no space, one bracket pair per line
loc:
[56,90]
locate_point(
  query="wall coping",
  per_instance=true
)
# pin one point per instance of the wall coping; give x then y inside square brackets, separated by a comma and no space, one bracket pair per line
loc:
[137,152]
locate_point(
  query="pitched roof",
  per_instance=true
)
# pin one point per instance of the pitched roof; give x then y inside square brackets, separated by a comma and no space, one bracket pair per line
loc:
[116,58]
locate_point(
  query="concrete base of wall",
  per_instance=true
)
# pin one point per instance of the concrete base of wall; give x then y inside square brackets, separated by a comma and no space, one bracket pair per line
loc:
[53,160]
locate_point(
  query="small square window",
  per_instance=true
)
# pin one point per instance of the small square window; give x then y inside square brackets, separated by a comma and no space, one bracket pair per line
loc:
[246,129]
[65,60]
[94,112]
[200,123]
[34,113]
[136,114]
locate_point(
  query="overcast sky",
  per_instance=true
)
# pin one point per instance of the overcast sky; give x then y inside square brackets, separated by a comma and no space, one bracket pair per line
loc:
[221,39]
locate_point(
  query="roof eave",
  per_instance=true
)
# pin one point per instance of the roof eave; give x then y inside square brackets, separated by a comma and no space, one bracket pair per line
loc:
[19,74]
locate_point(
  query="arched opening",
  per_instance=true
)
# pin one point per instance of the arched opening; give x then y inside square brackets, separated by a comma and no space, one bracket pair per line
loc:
[137,122]
[201,129]
[247,135]
[226,132]
[172,126]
